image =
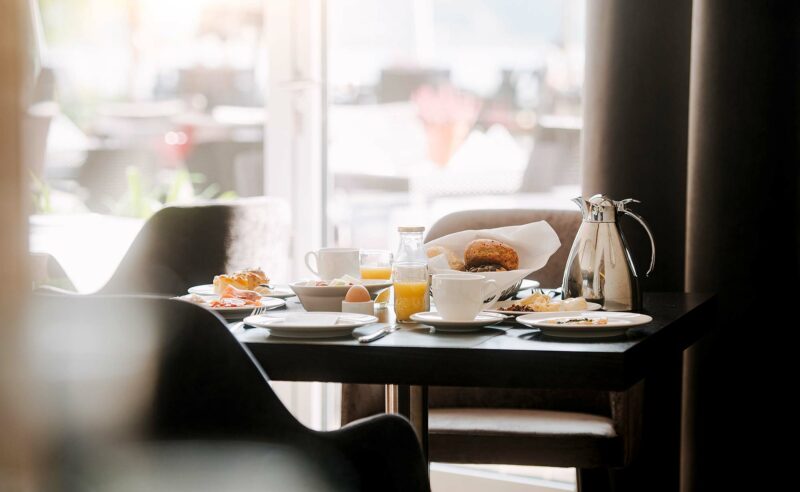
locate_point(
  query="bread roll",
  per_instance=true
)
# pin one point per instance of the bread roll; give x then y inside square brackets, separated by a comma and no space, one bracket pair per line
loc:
[490,255]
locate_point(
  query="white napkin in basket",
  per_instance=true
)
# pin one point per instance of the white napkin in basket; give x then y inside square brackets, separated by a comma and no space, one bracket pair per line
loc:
[534,242]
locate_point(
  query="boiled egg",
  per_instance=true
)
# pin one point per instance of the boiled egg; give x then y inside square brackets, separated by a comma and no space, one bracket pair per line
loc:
[357,293]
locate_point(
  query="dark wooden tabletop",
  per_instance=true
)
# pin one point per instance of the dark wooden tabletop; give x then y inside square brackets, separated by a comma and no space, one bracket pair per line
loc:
[506,355]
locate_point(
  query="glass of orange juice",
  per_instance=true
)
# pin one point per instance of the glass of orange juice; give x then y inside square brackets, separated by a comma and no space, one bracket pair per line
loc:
[410,290]
[376,264]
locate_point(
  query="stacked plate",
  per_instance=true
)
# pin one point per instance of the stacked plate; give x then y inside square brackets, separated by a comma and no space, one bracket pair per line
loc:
[433,318]
[319,324]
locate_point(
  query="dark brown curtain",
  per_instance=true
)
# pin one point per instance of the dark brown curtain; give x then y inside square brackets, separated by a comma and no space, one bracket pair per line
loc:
[636,107]
[742,234]
[692,107]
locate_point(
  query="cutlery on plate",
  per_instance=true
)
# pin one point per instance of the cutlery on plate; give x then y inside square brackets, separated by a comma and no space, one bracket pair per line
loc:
[378,334]
[259,311]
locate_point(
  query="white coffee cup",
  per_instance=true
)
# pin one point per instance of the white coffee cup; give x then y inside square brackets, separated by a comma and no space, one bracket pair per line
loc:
[331,263]
[460,296]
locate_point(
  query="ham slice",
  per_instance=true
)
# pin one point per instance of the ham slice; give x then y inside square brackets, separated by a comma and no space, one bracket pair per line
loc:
[247,295]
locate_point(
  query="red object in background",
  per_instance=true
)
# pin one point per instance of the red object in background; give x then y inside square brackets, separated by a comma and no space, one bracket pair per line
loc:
[448,115]
[177,144]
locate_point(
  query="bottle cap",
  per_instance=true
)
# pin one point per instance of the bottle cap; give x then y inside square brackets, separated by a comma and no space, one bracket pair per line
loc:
[411,229]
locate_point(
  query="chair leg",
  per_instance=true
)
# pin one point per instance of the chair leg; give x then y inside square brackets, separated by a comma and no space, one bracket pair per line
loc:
[593,480]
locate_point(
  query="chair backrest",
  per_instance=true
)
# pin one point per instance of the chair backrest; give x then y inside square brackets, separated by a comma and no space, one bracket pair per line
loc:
[564,222]
[182,246]
[165,368]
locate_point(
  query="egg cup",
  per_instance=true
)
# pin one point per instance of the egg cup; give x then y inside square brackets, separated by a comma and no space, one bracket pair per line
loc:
[364,307]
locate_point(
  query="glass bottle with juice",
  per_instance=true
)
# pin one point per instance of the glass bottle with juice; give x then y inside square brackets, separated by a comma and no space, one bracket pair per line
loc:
[410,275]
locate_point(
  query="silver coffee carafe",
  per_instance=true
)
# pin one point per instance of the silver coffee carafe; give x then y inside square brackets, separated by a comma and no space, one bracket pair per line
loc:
[600,267]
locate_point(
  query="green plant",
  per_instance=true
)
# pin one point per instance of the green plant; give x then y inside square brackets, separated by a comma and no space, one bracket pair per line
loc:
[40,191]
[141,203]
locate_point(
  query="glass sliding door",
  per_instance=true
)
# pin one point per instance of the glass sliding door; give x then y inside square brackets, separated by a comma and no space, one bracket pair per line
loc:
[444,105]
[437,106]
[140,104]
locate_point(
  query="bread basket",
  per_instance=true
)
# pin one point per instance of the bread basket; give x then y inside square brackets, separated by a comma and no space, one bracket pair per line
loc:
[534,243]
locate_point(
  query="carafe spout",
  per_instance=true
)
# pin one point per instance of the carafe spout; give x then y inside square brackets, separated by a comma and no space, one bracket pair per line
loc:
[583,205]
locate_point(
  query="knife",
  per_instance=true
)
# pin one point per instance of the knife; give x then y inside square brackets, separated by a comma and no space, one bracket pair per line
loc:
[378,334]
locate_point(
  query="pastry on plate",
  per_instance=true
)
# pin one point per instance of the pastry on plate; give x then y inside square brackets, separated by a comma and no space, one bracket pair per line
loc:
[488,255]
[248,279]
[543,303]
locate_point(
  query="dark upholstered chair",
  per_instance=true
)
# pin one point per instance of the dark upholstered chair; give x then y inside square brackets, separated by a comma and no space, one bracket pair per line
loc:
[133,369]
[588,430]
[182,246]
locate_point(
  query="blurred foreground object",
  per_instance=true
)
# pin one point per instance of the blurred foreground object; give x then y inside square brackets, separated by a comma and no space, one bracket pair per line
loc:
[146,393]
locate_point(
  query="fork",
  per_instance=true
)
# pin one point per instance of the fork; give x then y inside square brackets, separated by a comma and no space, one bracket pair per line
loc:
[259,311]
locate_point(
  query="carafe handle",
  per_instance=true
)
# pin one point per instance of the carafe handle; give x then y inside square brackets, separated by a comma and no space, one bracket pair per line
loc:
[641,221]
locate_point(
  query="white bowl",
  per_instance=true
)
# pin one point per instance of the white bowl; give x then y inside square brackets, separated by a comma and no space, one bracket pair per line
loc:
[330,298]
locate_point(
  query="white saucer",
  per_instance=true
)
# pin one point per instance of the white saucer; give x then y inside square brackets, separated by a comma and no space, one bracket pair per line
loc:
[435,319]
[307,325]
[618,324]
[208,290]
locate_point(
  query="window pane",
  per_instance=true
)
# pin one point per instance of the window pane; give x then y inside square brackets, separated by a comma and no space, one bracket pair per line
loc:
[437,106]
[139,104]
[445,105]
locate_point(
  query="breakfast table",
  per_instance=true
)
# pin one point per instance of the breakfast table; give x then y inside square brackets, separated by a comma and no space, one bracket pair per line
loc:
[509,355]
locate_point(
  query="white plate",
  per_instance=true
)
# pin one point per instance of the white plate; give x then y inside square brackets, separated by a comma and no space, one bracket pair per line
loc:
[345,324]
[208,290]
[234,313]
[435,319]
[499,308]
[618,324]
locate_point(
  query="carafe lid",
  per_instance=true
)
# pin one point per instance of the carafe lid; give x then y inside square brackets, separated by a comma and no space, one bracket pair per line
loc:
[603,208]
[598,208]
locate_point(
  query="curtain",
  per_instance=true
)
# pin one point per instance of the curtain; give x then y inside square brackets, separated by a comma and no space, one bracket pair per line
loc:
[742,229]
[636,107]
[692,107]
